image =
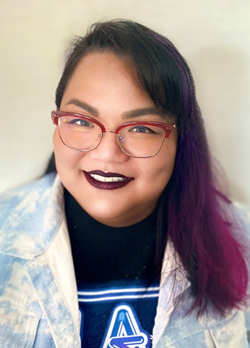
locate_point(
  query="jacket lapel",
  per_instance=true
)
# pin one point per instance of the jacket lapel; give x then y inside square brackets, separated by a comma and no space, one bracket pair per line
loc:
[173,283]
[64,330]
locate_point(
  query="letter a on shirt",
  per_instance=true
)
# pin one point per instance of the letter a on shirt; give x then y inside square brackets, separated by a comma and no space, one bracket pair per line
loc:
[124,330]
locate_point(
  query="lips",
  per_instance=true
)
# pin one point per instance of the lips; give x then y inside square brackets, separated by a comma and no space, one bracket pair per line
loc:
[106,181]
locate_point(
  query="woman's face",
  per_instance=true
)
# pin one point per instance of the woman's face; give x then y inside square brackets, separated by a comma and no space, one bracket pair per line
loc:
[106,87]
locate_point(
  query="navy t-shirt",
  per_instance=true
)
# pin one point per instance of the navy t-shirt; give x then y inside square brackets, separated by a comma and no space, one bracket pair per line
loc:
[117,279]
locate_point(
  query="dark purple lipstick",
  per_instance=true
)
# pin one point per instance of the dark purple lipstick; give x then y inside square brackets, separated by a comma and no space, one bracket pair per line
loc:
[106,181]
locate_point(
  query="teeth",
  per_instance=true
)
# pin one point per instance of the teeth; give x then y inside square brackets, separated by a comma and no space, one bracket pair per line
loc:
[107,179]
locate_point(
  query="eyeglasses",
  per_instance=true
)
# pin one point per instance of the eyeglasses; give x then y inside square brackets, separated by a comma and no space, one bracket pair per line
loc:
[136,139]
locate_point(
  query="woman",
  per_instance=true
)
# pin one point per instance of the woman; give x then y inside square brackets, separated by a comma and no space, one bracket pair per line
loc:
[132,230]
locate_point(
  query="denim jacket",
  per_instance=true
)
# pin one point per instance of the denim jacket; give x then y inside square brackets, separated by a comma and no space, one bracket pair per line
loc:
[38,294]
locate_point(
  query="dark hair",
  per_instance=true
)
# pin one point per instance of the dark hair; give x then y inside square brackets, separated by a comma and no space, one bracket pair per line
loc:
[190,212]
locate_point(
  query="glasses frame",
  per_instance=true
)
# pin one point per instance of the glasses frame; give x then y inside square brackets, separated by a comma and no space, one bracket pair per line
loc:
[168,128]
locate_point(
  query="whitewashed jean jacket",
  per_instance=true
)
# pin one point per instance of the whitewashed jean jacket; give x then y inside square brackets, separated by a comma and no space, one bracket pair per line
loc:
[38,294]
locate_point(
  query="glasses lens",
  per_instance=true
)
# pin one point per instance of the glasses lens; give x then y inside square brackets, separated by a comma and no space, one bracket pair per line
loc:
[79,133]
[140,140]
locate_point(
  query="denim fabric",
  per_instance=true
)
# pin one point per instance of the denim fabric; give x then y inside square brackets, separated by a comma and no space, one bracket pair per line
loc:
[38,296]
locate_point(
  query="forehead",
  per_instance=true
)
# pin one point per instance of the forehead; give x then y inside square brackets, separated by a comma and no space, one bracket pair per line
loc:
[104,64]
[105,76]
[105,84]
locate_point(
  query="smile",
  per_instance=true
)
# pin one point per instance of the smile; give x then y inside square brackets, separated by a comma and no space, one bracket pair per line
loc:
[106,181]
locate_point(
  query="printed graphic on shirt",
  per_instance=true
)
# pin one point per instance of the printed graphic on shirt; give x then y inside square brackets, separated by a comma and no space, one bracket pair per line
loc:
[106,323]
[124,330]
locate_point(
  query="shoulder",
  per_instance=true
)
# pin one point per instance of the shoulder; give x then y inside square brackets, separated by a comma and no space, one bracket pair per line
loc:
[241,214]
[11,199]
[29,216]
[237,215]
[19,191]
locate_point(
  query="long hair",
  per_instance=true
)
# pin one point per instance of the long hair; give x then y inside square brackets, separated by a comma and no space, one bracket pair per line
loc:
[190,212]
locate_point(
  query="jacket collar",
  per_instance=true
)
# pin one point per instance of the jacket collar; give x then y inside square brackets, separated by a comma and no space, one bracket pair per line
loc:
[173,283]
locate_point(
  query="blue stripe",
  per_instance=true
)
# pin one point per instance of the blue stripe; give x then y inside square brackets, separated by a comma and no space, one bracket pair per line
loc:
[114,294]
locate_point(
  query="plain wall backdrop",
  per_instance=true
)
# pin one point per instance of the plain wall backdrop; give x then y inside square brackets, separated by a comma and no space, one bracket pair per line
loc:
[213,36]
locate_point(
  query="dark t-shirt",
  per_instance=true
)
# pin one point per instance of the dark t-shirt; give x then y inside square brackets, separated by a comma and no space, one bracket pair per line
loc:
[116,277]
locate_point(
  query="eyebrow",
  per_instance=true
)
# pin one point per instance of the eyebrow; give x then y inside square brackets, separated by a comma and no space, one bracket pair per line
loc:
[143,112]
[84,106]
[125,115]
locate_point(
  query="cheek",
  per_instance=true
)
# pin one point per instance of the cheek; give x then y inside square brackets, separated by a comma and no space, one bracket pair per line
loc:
[162,166]
[155,175]
[59,149]
[165,160]
[56,140]
[65,158]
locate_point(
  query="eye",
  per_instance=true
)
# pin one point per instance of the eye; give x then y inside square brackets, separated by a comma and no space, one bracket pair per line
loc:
[142,129]
[81,122]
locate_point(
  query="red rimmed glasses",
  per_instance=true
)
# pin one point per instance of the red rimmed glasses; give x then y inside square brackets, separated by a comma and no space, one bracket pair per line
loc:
[136,139]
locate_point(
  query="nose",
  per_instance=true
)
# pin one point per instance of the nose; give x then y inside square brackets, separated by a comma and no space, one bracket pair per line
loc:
[108,149]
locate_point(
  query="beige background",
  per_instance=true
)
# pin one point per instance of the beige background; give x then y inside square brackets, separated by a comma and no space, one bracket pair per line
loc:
[213,35]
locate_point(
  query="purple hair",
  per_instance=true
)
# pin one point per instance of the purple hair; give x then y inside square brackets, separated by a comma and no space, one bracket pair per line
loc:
[190,209]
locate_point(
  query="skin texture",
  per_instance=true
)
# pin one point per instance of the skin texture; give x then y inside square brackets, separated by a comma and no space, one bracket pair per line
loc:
[110,86]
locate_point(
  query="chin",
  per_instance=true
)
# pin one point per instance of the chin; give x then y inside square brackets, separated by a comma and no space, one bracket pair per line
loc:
[105,216]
